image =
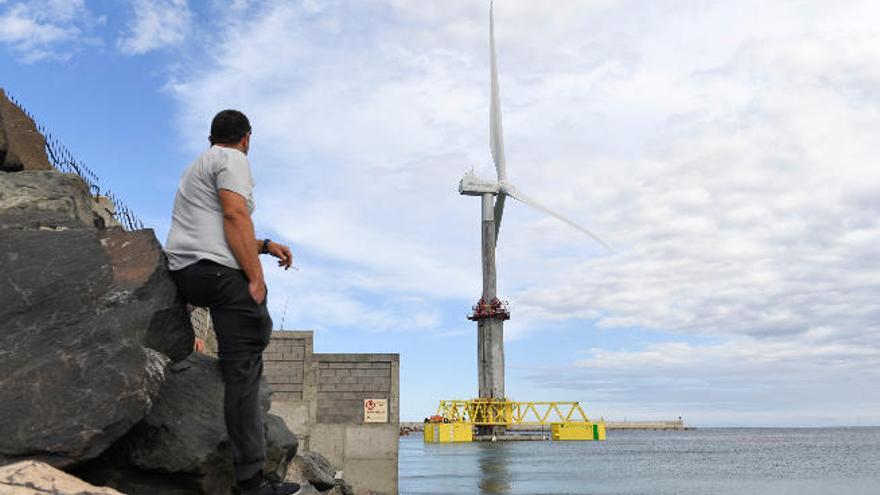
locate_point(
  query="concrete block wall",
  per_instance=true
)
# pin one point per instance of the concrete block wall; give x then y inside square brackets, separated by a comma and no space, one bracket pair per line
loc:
[321,398]
[346,380]
[284,364]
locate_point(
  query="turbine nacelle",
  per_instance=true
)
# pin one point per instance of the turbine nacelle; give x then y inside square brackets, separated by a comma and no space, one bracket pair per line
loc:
[471,185]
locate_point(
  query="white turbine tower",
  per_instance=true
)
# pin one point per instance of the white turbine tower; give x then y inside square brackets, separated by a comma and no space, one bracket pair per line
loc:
[489,312]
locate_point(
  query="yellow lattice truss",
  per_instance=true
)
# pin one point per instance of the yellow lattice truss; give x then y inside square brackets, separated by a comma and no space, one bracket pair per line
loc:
[492,412]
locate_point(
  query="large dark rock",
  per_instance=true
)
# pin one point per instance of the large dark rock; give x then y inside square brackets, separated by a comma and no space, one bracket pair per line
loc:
[281,446]
[185,433]
[22,147]
[83,313]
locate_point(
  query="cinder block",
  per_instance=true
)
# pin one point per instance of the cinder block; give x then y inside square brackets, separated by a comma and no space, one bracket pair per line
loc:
[286,396]
[338,415]
[290,375]
[380,386]
[287,387]
[353,403]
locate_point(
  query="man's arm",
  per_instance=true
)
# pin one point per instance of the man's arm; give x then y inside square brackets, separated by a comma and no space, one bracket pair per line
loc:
[239,230]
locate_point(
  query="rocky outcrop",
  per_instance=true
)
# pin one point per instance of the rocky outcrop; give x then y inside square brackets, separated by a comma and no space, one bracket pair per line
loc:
[97,374]
[22,147]
[88,318]
[185,433]
[36,478]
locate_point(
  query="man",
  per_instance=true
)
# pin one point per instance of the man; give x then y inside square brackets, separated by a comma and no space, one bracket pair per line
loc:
[213,257]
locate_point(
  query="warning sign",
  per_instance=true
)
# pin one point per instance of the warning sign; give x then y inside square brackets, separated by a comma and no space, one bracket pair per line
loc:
[375,410]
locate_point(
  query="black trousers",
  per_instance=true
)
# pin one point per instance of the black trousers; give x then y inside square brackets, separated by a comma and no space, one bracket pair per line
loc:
[243,330]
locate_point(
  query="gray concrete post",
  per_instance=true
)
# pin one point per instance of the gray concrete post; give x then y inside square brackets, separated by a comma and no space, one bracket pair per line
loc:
[488,251]
[490,331]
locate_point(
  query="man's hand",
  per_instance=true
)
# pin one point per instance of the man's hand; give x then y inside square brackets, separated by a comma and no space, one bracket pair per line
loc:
[282,252]
[257,289]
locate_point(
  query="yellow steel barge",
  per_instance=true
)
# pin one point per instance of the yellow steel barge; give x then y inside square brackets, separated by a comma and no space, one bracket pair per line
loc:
[456,420]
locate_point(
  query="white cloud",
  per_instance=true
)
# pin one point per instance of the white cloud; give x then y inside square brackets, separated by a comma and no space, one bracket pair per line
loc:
[157,24]
[45,29]
[725,148]
[741,382]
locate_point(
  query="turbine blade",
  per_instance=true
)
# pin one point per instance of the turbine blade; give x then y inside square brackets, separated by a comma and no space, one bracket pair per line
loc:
[499,211]
[515,194]
[496,133]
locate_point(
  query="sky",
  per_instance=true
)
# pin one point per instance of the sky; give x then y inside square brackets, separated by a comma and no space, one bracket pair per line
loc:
[724,149]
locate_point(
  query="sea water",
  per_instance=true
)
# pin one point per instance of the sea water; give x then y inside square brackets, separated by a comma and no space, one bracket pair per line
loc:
[755,461]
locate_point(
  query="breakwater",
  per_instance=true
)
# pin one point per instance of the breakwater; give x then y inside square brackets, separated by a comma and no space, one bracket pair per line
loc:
[676,424]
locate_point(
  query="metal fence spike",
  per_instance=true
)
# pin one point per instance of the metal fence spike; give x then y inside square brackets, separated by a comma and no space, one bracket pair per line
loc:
[62,159]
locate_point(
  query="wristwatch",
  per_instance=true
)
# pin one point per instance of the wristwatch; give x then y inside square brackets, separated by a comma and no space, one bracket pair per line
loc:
[265,247]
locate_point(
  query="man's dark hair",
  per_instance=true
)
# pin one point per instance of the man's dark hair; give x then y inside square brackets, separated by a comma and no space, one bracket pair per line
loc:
[228,127]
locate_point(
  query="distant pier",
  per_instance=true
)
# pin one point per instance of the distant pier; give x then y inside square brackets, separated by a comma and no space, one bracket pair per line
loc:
[675,424]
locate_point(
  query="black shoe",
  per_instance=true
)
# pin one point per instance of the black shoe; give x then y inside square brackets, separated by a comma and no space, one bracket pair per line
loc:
[271,488]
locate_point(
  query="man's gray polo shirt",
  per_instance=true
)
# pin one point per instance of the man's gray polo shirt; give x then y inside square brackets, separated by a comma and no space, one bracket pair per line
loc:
[197,222]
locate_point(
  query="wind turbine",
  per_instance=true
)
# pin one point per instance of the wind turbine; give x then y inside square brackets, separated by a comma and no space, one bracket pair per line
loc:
[489,312]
